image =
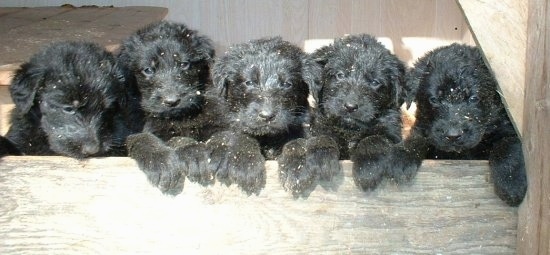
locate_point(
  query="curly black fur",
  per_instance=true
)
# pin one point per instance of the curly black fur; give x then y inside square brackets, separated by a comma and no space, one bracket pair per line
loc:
[357,116]
[71,99]
[170,64]
[266,84]
[460,116]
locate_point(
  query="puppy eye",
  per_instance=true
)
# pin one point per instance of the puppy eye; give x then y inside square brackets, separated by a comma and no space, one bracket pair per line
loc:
[185,65]
[69,110]
[474,99]
[340,75]
[148,71]
[434,100]
[286,84]
[375,84]
[249,83]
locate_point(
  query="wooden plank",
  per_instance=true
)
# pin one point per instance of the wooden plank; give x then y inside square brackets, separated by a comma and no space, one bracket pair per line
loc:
[534,222]
[20,17]
[103,25]
[499,27]
[6,106]
[243,20]
[329,19]
[105,206]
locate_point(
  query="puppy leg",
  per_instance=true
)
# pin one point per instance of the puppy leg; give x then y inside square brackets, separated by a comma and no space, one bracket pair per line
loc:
[371,161]
[194,157]
[236,158]
[322,156]
[158,161]
[407,158]
[508,170]
[294,175]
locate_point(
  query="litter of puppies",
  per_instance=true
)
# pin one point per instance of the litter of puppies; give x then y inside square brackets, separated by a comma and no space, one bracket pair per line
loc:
[181,112]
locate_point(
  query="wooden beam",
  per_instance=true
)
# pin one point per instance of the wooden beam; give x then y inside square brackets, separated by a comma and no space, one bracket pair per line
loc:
[106,206]
[499,28]
[534,223]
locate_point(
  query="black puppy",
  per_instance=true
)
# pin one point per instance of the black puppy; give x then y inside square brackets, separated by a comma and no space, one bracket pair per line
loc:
[357,116]
[71,99]
[170,64]
[266,84]
[460,116]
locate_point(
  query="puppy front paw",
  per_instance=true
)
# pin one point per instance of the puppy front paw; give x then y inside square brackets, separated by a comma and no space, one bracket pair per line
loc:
[195,156]
[236,158]
[322,157]
[508,171]
[294,175]
[370,161]
[406,159]
[157,161]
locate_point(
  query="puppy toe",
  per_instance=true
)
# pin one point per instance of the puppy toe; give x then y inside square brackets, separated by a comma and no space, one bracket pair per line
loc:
[322,157]
[158,162]
[294,176]
[371,161]
[367,175]
[247,170]
[194,156]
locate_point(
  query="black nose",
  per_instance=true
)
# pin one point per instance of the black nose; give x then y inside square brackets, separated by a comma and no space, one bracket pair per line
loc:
[267,115]
[171,101]
[351,107]
[453,134]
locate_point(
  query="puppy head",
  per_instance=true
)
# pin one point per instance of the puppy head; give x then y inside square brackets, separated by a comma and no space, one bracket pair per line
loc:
[74,91]
[456,98]
[361,80]
[266,84]
[170,64]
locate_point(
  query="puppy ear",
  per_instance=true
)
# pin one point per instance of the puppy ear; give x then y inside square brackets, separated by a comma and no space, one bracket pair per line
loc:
[24,86]
[414,77]
[201,44]
[397,78]
[220,76]
[312,73]
[320,57]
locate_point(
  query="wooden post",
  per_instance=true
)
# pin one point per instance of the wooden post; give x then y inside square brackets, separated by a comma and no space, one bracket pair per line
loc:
[534,214]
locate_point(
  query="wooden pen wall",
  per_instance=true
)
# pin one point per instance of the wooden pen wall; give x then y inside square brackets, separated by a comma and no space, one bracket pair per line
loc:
[410,27]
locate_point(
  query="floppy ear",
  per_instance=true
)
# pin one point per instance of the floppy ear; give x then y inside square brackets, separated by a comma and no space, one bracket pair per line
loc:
[220,76]
[322,55]
[414,77]
[397,78]
[24,86]
[202,45]
[312,73]
[320,58]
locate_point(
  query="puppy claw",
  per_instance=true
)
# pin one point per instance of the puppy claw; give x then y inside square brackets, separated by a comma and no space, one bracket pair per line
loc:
[322,157]
[158,162]
[371,161]
[294,175]
[195,159]
[236,158]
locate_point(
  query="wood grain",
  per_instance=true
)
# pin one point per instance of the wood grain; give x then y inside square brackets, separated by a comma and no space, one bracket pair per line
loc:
[500,29]
[534,224]
[25,30]
[64,206]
